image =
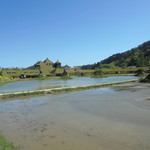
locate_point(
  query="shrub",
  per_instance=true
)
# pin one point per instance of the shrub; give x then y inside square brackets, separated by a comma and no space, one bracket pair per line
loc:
[147,79]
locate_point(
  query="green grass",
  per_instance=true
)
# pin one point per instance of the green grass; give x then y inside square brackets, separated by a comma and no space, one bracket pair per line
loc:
[22,94]
[5,145]
[4,82]
[100,76]
[65,78]
[42,78]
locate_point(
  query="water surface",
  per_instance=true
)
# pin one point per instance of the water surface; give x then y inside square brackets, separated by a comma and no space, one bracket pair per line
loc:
[100,119]
[53,83]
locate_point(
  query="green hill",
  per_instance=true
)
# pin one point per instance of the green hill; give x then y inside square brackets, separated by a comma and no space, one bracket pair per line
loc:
[138,57]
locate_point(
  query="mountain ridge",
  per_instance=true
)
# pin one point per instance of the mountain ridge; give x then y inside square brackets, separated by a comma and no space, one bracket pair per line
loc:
[137,57]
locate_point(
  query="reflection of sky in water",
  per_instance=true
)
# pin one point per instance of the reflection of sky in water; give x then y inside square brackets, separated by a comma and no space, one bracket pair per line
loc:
[53,83]
[97,119]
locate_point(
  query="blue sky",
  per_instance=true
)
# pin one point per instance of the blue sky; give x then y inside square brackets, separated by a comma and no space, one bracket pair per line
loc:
[75,32]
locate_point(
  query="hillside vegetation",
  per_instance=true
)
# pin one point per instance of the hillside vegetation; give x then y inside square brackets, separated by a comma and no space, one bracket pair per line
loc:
[137,57]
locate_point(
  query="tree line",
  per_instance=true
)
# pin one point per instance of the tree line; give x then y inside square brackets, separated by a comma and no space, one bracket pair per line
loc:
[136,57]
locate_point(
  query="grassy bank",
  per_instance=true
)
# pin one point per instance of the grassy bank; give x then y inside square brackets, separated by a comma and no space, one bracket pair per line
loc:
[111,75]
[65,78]
[5,145]
[21,94]
[5,82]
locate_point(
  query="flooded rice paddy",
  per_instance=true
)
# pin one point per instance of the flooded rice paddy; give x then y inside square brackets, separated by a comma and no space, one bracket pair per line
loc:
[54,83]
[99,119]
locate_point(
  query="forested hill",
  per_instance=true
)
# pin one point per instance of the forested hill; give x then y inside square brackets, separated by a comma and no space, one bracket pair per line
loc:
[139,57]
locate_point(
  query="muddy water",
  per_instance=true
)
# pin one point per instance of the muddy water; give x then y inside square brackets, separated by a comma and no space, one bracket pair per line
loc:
[101,119]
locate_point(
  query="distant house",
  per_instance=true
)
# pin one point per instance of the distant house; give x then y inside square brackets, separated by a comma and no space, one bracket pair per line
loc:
[66,67]
[46,67]
[58,71]
[77,67]
[57,64]
[48,62]
[49,68]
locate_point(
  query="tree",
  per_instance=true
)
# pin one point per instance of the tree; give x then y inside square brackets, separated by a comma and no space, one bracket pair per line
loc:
[139,72]
[98,72]
[147,79]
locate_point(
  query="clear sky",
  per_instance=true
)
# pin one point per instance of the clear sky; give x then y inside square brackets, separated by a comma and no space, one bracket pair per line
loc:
[75,32]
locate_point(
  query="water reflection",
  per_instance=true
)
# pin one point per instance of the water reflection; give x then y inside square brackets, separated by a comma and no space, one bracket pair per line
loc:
[53,83]
[93,119]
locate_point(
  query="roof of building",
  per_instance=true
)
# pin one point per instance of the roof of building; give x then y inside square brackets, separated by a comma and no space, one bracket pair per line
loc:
[66,66]
[47,61]
[39,63]
[58,62]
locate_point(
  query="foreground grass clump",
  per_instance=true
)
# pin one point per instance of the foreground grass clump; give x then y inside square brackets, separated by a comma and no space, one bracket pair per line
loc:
[5,145]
